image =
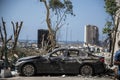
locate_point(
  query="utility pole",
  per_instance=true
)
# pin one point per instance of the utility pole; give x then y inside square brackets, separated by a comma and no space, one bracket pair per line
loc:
[66,34]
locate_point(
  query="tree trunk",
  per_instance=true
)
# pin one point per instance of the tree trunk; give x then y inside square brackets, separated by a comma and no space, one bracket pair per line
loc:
[51,31]
[110,42]
[4,50]
[114,39]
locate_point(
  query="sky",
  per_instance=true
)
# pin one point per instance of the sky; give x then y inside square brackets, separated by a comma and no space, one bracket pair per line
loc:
[33,14]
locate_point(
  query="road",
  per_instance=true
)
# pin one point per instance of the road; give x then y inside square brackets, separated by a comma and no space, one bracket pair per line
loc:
[59,78]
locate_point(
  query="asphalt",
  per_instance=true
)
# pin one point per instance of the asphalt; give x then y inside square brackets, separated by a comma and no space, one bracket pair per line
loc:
[58,78]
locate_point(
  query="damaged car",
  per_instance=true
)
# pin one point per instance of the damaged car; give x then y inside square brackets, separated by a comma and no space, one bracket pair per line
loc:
[62,61]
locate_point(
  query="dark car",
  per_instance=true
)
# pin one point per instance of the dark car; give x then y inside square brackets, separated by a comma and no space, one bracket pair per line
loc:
[62,61]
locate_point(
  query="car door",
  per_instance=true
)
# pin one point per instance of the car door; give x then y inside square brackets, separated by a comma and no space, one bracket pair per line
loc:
[70,64]
[43,65]
[56,61]
[51,63]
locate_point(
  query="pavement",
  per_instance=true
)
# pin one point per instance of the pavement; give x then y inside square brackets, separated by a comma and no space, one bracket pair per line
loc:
[58,78]
[15,76]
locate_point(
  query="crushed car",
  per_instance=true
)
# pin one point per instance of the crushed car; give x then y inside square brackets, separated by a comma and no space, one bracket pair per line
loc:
[62,61]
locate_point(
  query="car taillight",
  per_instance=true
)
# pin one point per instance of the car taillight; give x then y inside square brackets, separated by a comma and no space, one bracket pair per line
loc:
[102,59]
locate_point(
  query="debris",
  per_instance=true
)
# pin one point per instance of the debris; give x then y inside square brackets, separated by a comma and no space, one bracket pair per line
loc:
[63,76]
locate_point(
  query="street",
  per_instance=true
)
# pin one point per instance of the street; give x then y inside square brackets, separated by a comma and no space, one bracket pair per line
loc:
[63,77]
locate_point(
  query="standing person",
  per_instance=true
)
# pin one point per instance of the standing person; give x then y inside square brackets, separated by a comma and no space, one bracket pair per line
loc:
[117,61]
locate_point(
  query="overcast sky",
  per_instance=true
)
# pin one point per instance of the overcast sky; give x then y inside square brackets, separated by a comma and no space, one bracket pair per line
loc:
[32,13]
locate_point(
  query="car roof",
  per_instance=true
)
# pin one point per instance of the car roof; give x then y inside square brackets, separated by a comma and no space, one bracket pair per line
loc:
[67,48]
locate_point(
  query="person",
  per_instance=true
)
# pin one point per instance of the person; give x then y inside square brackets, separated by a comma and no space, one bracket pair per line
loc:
[117,61]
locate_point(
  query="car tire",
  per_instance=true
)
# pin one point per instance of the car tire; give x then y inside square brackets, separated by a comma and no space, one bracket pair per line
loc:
[86,70]
[28,70]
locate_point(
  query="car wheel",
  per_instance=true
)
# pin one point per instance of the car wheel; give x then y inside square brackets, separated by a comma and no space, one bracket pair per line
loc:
[86,70]
[28,70]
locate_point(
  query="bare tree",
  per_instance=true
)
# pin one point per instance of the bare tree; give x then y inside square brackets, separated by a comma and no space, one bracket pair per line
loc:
[16,31]
[3,34]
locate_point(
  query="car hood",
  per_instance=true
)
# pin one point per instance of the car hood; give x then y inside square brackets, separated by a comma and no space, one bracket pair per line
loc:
[27,58]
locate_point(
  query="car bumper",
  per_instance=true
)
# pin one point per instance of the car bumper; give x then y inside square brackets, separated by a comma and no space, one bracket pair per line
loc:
[18,66]
[100,68]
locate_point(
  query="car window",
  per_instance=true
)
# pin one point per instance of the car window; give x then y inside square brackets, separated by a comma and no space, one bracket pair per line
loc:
[73,53]
[57,53]
[82,53]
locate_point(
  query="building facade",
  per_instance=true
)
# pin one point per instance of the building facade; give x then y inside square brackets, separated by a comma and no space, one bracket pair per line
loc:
[118,32]
[91,34]
[43,38]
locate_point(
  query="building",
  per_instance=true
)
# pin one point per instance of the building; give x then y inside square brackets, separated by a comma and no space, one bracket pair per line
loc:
[43,38]
[118,33]
[91,35]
